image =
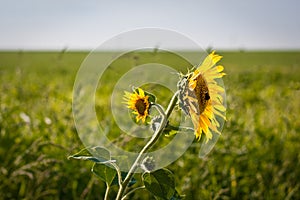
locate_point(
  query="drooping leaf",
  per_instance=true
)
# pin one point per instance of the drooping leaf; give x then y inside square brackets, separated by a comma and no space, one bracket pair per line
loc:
[95,154]
[104,172]
[160,183]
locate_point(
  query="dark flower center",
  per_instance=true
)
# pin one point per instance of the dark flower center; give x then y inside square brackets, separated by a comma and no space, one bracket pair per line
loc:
[201,93]
[141,106]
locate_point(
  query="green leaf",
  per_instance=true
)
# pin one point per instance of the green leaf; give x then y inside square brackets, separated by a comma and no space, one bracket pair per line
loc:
[151,98]
[104,172]
[95,154]
[160,183]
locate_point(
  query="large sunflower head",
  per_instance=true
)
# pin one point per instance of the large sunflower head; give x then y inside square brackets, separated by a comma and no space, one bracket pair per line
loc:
[139,103]
[201,96]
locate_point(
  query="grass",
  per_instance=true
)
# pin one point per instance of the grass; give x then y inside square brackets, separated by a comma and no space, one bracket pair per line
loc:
[257,156]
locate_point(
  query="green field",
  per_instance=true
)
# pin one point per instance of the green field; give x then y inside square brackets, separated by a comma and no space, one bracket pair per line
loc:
[257,156]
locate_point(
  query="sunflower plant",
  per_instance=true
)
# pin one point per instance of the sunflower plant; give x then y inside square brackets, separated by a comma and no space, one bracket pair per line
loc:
[199,96]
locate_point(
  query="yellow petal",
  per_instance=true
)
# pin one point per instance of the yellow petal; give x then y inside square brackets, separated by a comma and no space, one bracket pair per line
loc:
[209,61]
[220,107]
[220,68]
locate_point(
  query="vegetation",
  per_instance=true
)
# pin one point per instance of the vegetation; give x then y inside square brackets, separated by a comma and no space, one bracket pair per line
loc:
[257,156]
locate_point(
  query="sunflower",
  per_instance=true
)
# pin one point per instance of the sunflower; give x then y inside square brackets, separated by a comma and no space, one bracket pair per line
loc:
[201,98]
[139,103]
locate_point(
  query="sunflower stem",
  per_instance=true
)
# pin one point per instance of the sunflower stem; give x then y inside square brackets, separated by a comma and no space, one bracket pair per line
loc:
[172,104]
[165,115]
[107,191]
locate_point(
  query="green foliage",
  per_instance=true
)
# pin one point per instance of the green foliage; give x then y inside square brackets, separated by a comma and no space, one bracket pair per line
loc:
[160,183]
[152,97]
[104,172]
[123,175]
[257,156]
[95,154]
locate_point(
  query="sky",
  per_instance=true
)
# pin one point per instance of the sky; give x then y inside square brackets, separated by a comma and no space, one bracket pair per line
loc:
[86,24]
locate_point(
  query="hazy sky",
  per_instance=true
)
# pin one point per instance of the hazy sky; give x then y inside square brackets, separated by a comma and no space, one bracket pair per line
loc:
[82,24]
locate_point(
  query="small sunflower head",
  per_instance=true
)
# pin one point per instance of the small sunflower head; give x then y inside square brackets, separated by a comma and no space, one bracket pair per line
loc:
[200,96]
[139,102]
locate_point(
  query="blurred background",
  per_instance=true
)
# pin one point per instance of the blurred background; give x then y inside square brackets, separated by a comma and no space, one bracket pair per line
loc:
[43,43]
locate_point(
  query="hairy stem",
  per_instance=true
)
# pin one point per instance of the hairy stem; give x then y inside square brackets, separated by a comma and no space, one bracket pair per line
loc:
[151,142]
[172,104]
